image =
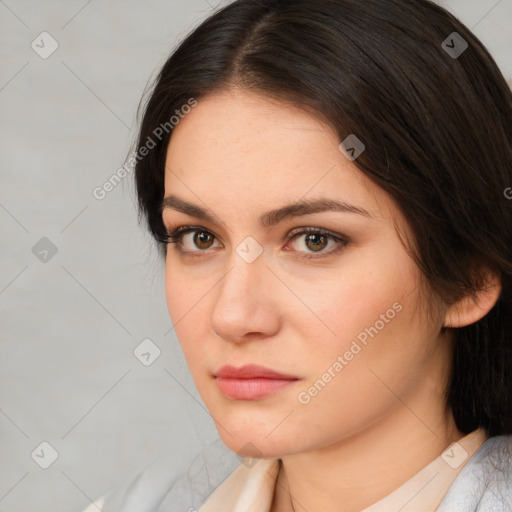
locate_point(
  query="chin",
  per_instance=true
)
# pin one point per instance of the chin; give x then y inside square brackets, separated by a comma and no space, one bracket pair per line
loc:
[253,429]
[256,445]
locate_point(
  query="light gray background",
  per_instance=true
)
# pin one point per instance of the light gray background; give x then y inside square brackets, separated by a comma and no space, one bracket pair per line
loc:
[69,325]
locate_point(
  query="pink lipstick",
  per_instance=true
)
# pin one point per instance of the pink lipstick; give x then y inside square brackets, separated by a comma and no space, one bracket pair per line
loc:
[251,382]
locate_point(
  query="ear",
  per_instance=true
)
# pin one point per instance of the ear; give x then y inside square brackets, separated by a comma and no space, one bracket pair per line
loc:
[470,308]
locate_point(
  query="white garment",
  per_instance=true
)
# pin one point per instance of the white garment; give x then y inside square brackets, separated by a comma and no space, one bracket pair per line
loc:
[220,481]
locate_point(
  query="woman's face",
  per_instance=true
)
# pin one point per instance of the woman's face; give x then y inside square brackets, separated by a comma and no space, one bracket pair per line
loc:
[345,317]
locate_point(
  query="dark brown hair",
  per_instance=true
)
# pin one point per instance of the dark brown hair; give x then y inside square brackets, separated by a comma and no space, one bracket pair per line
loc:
[437,130]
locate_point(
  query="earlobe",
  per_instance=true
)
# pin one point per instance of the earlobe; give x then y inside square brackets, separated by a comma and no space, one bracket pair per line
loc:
[469,309]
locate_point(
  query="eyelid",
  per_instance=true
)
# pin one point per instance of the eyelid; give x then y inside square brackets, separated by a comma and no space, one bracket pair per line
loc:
[177,234]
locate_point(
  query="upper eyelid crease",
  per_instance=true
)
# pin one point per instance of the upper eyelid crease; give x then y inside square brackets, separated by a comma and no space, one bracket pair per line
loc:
[182,230]
[272,217]
[340,240]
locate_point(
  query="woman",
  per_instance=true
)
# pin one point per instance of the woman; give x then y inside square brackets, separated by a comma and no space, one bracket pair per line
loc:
[327,180]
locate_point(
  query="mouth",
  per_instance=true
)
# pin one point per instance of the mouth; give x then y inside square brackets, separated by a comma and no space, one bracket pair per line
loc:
[251,382]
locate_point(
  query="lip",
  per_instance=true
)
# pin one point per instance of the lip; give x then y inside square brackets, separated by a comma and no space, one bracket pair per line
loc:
[251,382]
[251,371]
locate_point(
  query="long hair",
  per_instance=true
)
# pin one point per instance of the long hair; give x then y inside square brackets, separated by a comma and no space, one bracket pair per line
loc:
[435,114]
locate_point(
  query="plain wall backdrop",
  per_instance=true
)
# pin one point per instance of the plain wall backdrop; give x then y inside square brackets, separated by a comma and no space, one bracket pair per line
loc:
[81,285]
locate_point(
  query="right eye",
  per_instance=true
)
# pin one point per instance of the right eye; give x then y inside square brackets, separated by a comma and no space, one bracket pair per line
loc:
[201,238]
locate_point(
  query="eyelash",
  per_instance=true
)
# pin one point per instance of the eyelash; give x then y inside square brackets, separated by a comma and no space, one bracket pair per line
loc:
[176,238]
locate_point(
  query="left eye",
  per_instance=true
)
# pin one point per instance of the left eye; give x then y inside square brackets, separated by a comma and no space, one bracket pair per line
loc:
[314,239]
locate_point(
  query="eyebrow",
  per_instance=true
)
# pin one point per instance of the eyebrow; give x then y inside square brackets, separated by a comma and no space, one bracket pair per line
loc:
[271,217]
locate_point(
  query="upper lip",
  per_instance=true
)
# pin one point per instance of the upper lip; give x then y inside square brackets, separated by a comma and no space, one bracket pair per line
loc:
[251,371]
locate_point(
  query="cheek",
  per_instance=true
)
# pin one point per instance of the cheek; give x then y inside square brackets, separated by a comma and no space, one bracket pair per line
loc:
[184,295]
[174,289]
[189,309]
[184,306]
[378,340]
[349,377]
[369,319]
[349,304]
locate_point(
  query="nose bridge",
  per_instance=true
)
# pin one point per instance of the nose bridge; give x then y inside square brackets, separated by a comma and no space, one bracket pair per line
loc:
[246,273]
[242,303]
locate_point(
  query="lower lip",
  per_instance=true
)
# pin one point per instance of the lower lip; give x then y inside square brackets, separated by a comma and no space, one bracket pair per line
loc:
[251,389]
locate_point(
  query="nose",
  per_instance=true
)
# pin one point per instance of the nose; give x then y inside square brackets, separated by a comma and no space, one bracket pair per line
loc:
[246,305]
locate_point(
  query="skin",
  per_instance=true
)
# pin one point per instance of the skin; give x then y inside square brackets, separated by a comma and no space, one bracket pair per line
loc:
[239,154]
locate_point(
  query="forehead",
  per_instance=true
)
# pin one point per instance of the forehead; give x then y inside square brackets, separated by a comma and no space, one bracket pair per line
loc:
[249,151]
[250,123]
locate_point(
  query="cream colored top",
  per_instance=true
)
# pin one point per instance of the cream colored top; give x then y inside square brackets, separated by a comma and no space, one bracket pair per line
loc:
[250,488]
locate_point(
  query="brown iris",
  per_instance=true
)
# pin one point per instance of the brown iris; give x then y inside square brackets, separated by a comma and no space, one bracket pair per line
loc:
[200,237]
[316,236]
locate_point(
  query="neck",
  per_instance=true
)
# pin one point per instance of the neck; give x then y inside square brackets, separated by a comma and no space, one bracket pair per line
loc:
[365,467]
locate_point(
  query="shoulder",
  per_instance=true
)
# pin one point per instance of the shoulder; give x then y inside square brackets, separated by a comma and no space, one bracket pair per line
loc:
[485,482]
[160,488]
